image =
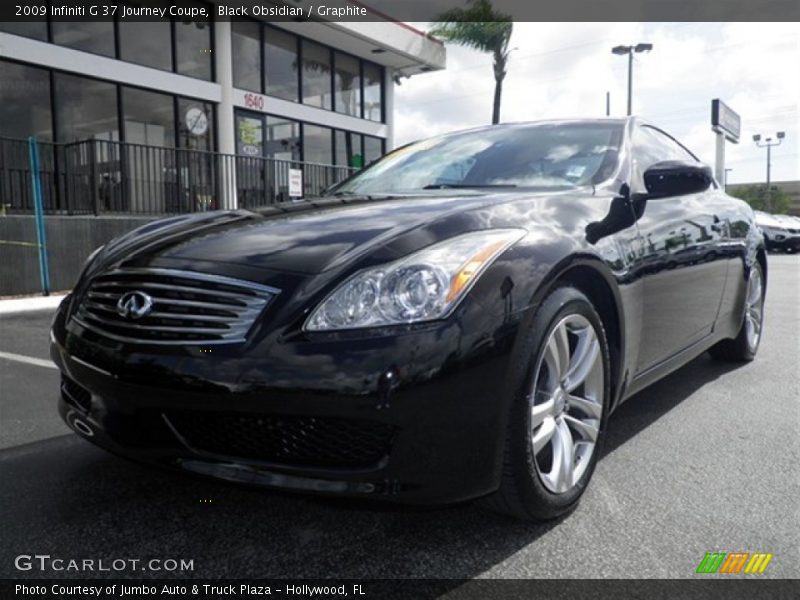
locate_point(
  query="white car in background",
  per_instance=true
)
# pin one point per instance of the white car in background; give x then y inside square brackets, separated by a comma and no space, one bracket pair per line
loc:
[781,232]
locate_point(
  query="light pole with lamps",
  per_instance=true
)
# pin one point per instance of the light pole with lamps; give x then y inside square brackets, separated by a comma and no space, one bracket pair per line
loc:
[630,50]
[768,143]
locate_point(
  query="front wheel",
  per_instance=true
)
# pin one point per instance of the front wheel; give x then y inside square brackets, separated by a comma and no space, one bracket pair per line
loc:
[744,346]
[558,412]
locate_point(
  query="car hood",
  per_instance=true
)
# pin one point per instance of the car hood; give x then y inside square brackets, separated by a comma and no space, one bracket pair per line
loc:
[769,220]
[307,237]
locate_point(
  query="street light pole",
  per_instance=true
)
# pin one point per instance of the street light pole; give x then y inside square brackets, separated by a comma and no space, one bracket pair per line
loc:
[769,168]
[630,83]
[768,144]
[630,50]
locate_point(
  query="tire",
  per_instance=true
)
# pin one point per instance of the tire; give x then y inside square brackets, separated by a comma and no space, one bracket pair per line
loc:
[532,486]
[744,346]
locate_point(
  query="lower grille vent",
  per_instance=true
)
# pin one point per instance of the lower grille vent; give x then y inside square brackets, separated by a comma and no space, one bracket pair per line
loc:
[290,440]
[75,394]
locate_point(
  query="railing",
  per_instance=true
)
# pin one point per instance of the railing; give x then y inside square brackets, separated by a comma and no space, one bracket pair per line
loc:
[105,177]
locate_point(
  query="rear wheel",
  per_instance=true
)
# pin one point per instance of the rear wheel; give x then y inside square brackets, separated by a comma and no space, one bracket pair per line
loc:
[558,413]
[744,346]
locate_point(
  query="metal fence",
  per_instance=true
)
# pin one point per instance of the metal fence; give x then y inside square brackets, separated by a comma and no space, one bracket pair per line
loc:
[105,177]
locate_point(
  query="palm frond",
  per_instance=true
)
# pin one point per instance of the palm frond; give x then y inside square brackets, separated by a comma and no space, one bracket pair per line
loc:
[479,26]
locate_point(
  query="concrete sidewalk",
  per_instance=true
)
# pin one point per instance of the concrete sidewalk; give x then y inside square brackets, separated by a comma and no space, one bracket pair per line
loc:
[30,303]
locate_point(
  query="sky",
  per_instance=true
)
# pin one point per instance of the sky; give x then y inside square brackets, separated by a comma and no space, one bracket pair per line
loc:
[563,70]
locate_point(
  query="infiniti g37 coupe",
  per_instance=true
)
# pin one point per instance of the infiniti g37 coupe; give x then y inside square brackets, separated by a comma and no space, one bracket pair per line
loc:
[456,321]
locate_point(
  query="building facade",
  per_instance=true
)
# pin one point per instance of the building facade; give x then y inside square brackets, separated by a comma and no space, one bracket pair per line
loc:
[142,107]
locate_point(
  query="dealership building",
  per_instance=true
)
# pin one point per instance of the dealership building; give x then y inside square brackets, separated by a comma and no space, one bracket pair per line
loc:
[161,104]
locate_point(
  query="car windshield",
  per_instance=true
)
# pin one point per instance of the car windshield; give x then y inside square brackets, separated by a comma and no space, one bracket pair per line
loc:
[536,155]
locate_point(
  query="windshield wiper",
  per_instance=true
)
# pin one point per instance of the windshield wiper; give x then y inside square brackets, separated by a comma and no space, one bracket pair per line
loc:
[446,186]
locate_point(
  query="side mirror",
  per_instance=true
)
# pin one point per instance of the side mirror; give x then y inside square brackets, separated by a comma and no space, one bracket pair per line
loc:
[677,178]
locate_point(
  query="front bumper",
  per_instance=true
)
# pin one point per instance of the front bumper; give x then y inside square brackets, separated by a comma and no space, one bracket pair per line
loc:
[437,390]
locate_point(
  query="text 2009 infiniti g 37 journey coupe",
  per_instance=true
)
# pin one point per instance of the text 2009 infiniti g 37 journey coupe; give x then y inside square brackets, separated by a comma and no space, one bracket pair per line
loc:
[456,321]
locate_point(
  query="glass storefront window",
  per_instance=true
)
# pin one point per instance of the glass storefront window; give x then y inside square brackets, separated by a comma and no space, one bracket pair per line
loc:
[155,176]
[246,51]
[347,84]
[373,149]
[317,149]
[249,135]
[195,124]
[85,109]
[197,175]
[317,144]
[89,36]
[32,29]
[282,143]
[316,74]
[147,43]
[348,149]
[282,139]
[280,64]
[193,45]
[373,92]
[25,98]
[149,118]
[251,170]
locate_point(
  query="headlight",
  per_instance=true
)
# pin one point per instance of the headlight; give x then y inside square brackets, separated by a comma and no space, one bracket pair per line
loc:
[423,286]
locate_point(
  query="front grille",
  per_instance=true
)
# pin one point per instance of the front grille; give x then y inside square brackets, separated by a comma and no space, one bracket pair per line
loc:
[75,394]
[289,440]
[187,307]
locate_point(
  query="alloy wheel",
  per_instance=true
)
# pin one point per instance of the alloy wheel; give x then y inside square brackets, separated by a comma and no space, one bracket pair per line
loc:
[566,403]
[754,308]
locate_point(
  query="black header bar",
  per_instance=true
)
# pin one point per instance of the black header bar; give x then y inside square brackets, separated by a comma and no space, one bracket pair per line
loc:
[403,10]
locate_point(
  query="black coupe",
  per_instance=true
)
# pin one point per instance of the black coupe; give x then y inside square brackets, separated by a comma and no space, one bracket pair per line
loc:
[456,321]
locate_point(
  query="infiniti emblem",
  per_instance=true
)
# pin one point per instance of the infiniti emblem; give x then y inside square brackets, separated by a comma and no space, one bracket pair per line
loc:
[134,305]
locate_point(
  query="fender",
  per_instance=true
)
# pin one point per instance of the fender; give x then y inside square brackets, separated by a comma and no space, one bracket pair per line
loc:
[574,269]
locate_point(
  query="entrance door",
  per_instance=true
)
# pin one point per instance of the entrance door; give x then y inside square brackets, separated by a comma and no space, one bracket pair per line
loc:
[251,168]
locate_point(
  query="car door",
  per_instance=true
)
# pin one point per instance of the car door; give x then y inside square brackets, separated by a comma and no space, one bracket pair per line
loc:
[682,263]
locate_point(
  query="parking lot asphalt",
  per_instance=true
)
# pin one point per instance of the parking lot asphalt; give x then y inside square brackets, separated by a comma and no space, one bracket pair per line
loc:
[708,459]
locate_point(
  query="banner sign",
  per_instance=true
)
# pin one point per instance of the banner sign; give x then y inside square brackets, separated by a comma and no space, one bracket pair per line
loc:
[296,183]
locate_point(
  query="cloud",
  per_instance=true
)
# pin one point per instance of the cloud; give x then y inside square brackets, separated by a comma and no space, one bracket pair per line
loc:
[562,70]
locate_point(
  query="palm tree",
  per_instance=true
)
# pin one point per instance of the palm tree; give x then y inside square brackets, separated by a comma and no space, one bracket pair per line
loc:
[482,28]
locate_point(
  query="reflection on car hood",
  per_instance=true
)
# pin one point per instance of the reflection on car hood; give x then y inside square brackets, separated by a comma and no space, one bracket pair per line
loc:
[303,237]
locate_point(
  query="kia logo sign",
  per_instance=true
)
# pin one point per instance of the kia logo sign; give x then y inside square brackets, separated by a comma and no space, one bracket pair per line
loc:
[134,305]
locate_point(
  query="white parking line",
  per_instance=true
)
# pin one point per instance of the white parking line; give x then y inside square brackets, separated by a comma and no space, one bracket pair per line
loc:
[28,360]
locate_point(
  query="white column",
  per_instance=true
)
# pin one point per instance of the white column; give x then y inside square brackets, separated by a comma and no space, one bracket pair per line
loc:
[388,87]
[719,163]
[226,136]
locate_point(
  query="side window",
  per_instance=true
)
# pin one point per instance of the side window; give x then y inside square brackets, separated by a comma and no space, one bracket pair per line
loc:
[652,146]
